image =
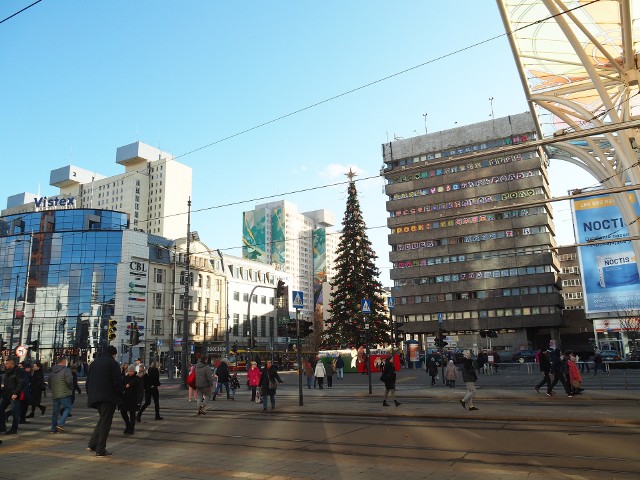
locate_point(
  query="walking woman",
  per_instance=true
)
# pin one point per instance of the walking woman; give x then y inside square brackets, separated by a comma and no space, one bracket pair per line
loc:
[37,385]
[268,384]
[131,399]
[469,378]
[253,377]
[320,373]
[389,378]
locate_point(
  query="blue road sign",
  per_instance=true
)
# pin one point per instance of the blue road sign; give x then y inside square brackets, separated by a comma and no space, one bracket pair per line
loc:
[391,302]
[366,305]
[298,299]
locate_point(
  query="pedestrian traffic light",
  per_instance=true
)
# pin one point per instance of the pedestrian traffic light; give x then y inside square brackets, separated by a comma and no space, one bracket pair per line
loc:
[280,289]
[398,327]
[306,328]
[34,345]
[111,334]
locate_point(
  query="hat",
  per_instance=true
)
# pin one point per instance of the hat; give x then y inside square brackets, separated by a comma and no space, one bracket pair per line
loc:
[132,368]
[450,362]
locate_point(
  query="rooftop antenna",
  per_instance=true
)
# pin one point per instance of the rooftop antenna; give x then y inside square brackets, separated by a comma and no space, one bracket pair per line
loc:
[425,122]
[491,103]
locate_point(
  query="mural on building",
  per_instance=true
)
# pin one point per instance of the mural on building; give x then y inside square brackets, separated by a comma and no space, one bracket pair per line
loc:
[609,270]
[319,264]
[254,236]
[278,243]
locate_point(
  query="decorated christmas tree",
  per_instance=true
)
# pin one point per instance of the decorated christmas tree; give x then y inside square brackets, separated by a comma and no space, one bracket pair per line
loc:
[356,280]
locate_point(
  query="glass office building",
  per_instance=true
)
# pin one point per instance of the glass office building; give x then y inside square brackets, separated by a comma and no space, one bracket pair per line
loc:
[58,277]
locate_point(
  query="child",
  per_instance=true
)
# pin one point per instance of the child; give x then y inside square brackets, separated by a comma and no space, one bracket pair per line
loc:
[233,384]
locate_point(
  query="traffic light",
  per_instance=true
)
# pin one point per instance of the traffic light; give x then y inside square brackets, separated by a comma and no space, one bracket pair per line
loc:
[111,334]
[280,289]
[34,345]
[306,328]
[152,350]
[292,329]
[398,327]
[135,336]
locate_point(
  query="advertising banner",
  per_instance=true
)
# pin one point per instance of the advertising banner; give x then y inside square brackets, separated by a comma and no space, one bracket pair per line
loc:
[610,280]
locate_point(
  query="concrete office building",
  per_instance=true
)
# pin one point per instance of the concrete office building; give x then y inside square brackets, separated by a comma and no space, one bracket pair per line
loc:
[153,190]
[471,236]
[302,245]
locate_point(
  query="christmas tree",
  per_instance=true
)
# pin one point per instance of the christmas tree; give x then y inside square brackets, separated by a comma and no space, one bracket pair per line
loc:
[356,279]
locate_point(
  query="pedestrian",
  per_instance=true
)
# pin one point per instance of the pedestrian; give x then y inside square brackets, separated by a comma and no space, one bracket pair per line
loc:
[14,382]
[329,369]
[308,372]
[234,384]
[131,398]
[204,383]
[432,369]
[496,361]
[76,386]
[268,385]
[583,360]
[481,361]
[389,378]
[192,391]
[320,372]
[25,396]
[340,367]
[37,385]
[224,375]
[451,374]
[545,368]
[469,378]
[150,383]
[61,382]
[575,379]
[124,369]
[138,364]
[253,377]
[104,390]
[598,364]
[558,368]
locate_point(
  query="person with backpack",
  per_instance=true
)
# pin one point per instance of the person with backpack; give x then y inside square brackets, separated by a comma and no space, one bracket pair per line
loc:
[545,368]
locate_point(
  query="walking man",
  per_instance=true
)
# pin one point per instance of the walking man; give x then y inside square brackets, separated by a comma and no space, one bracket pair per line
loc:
[340,367]
[14,382]
[61,382]
[151,380]
[469,378]
[545,368]
[204,383]
[559,370]
[104,390]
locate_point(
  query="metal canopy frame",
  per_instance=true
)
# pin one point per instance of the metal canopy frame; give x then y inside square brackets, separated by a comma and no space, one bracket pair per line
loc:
[578,64]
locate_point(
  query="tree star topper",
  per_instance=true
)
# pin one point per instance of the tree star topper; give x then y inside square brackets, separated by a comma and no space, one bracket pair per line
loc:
[351,174]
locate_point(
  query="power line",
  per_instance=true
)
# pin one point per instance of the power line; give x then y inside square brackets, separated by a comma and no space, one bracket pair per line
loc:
[19,11]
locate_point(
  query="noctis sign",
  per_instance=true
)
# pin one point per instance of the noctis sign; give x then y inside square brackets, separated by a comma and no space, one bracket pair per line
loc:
[55,202]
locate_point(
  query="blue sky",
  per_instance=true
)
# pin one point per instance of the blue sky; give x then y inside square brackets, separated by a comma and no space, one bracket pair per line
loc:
[80,79]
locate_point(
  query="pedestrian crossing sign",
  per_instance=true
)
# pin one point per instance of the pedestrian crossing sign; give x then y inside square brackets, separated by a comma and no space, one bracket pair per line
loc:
[298,299]
[366,305]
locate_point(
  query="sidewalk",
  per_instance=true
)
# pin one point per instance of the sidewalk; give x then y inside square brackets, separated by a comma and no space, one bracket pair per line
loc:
[506,396]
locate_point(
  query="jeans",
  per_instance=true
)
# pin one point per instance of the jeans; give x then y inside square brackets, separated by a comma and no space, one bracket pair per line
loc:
[63,404]
[98,441]
[265,398]
[219,388]
[15,413]
[309,382]
[340,372]
[320,382]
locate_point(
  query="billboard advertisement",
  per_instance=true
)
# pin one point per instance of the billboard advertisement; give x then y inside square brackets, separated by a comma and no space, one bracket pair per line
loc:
[610,280]
[278,239]
[319,264]
[254,235]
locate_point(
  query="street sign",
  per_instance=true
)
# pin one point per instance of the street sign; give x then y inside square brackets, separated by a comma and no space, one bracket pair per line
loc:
[298,299]
[440,317]
[391,302]
[21,351]
[365,305]
[159,342]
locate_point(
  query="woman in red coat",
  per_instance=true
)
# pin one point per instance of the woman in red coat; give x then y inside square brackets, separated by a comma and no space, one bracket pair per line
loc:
[253,377]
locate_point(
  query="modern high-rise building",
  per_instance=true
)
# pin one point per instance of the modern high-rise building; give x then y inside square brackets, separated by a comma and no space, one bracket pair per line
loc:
[472,236]
[299,244]
[153,190]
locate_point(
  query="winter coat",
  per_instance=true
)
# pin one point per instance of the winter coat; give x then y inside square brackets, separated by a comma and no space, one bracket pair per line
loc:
[451,372]
[320,371]
[61,381]
[432,367]
[468,372]
[574,373]
[254,377]
[204,375]
[272,374]
[545,362]
[131,393]
[389,375]
[14,382]
[329,369]
[151,379]
[222,372]
[36,385]
[339,362]
[308,369]
[104,381]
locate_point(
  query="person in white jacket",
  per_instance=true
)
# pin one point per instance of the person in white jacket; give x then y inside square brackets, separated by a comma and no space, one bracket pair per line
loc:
[320,373]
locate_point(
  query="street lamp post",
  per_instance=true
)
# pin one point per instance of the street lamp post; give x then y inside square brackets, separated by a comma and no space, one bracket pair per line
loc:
[186,304]
[227,329]
[204,341]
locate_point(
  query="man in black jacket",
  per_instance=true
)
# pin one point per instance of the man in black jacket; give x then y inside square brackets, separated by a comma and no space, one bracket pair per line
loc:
[151,381]
[104,389]
[14,381]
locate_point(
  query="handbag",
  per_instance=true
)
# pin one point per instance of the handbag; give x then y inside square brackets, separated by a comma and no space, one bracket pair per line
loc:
[258,396]
[191,380]
[272,384]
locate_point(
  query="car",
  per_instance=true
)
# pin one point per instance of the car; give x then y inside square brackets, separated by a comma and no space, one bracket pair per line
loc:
[522,356]
[610,356]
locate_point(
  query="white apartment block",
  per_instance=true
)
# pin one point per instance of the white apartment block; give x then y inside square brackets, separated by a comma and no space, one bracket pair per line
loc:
[153,190]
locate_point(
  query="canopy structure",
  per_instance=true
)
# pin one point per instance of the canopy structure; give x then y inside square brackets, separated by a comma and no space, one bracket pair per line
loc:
[578,63]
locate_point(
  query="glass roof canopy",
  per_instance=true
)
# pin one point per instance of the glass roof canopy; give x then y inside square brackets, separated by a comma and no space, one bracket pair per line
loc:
[578,63]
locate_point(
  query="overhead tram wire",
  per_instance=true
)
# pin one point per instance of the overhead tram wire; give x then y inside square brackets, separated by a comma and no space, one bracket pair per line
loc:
[20,11]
